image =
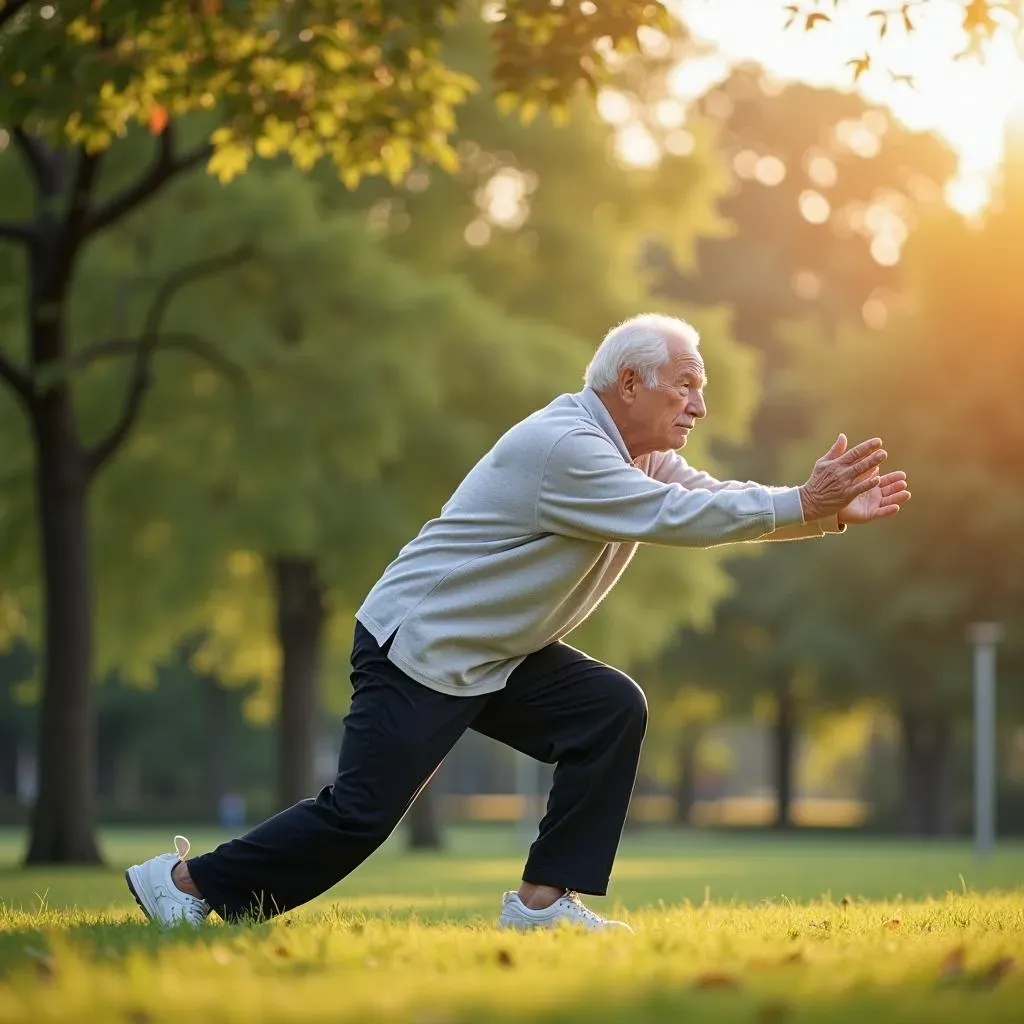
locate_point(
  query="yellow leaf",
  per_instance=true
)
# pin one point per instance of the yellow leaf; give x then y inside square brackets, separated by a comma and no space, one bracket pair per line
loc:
[528,111]
[351,176]
[326,123]
[266,148]
[306,150]
[506,102]
[397,159]
[560,114]
[229,161]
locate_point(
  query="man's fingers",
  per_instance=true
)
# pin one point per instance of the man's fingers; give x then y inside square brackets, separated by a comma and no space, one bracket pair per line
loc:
[892,477]
[869,463]
[860,486]
[886,511]
[838,448]
[864,448]
[895,498]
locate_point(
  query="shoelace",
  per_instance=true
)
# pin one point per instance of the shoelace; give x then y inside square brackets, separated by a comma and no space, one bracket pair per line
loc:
[574,899]
[196,910]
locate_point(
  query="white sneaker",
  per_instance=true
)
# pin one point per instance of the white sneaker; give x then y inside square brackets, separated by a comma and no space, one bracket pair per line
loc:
[158,897]
[568,908]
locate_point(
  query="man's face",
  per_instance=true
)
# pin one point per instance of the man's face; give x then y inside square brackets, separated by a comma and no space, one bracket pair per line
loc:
[665,414]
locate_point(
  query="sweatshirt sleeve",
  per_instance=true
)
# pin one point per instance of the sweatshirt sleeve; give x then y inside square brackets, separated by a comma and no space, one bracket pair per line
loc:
[587,490]
[671,467]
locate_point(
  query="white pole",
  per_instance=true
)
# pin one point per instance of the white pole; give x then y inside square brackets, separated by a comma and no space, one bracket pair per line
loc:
[984,636]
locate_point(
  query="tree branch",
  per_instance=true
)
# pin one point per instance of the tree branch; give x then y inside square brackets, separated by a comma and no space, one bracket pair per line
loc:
[181,340]
[10,9]
[17,380]
[35,156]
[81,192]
[16,232]
[145,345]
[164,167]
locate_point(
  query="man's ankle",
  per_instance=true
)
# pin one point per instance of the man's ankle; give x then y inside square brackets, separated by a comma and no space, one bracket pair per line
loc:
[182,879]
[539,897]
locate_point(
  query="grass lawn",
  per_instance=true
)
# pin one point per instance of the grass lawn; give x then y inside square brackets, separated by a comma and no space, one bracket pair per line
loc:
[753,928]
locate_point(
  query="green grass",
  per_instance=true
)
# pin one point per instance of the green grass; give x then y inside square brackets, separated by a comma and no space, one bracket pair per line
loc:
[755,928]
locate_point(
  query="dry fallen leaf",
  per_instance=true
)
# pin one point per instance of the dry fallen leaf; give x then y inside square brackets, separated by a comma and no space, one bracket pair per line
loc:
[953,964]
[893,922]
[45,965]
[282,951]
[997,971]
[715,981]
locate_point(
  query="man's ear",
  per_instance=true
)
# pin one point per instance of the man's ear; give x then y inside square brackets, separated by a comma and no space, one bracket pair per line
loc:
[629,385]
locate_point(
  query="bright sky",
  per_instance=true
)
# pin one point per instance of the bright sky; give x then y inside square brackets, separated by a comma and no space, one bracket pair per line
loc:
[966,103]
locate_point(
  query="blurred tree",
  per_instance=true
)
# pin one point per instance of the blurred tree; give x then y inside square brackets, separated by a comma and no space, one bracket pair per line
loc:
[826,191]
[906,593]
[364,86]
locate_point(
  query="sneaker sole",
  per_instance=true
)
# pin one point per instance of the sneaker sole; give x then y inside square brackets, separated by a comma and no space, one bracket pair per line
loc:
[131,889]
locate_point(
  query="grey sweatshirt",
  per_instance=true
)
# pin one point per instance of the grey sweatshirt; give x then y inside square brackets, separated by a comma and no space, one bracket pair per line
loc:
[539,531]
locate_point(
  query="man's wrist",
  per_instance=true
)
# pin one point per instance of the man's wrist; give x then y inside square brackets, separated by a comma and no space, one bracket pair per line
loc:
[806,504]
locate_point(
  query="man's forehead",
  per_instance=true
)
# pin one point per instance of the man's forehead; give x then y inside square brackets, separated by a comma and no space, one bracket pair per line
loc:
[688,362]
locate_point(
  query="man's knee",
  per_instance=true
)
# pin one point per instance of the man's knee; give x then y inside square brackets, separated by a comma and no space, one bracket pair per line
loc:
[627,699]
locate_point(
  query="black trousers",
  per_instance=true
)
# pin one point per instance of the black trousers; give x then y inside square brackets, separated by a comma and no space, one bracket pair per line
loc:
[559,706]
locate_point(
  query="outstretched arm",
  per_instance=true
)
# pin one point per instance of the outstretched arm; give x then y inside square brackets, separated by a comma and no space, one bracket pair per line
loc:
[671,467]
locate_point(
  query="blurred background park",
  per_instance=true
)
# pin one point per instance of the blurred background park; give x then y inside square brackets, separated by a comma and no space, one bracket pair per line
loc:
[258,319]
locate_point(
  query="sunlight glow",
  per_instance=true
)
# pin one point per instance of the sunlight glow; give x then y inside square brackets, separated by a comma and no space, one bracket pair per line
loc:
[966,103]
[636,147]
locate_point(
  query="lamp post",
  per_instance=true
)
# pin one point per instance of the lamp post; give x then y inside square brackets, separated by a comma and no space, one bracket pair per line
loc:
[984,636]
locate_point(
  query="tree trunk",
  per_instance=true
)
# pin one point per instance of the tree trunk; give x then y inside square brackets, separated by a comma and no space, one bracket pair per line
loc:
[300,624]
[927,803]
[424,819]
[63,819]
[686,777]
[785,737]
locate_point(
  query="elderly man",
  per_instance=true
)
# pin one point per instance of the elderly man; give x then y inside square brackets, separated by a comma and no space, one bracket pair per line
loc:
[464,631]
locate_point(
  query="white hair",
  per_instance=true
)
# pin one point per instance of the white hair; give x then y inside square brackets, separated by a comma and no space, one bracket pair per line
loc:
[639,344]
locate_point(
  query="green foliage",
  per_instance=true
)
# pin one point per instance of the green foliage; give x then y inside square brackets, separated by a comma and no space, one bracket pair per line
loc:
[361,84]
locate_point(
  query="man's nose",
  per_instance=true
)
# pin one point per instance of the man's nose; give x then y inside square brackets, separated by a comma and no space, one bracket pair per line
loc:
[696,406]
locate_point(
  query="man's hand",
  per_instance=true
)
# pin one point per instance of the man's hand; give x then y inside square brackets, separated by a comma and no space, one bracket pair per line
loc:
[881,502]
[841,476]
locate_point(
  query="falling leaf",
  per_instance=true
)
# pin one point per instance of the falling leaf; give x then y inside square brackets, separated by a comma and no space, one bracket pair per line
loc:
[814,18]
[157,123]
[999,970]
[45,965]
[907,80]
[978,18]
[859,65]
[953,963]
[793,12]
[715,981]
[505,958]
[907,23]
